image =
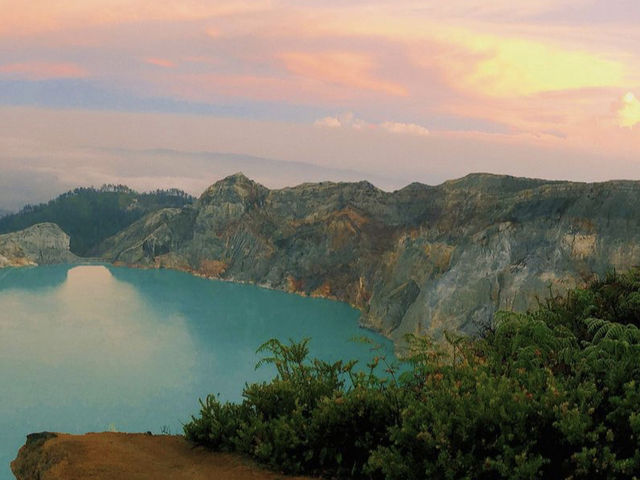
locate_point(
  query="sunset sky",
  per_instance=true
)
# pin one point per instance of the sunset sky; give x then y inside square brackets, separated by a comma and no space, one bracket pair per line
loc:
[161,93]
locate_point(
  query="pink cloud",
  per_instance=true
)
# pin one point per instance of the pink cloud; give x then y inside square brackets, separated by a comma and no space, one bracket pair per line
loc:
[201,59]
[43,70]
[460,64]
[341,68]
[160,62]
[214,32]
[38,16]
[277,87]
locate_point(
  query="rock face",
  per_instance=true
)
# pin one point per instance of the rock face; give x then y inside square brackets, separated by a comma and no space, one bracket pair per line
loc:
[41,244]
[421,259]
[126,456]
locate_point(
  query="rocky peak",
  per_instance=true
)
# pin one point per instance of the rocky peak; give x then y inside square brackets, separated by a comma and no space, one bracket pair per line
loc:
[235,178]
[236,188]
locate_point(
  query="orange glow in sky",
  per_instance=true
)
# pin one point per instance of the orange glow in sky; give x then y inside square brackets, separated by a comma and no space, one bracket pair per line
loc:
[559,75]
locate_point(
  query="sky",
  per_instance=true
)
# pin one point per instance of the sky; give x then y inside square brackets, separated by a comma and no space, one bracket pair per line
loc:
[181,93]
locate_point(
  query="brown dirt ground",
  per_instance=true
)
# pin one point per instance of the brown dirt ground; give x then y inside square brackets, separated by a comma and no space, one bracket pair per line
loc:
[116,456]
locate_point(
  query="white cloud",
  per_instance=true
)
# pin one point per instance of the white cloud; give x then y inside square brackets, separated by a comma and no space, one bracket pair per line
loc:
[331,122]
[346,119]
[349,120]
[405,128]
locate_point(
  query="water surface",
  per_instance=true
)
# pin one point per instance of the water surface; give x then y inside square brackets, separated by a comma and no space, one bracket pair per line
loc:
[95,348]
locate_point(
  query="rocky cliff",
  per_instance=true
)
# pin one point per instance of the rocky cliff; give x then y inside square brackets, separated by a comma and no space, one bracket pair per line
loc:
[420,259]
[41,244]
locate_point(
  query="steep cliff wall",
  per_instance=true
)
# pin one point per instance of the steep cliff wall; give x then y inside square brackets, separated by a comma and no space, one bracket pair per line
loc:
[41,244]
[421,259]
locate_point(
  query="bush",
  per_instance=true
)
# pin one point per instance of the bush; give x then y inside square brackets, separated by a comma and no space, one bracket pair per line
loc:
[553,393]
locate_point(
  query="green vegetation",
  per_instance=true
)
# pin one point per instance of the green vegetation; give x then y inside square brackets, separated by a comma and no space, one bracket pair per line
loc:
[553,393]
[90,215]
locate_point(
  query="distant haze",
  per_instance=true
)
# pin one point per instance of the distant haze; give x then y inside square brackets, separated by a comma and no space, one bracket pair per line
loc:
[33,179]
[46,152]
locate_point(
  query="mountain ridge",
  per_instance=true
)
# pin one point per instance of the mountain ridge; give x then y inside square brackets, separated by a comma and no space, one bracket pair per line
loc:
[420,259]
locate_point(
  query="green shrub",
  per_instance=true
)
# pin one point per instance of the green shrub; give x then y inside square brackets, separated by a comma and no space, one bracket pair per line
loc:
[553,393]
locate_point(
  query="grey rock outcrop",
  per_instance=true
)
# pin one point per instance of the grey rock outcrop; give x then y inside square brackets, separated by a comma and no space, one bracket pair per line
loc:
[41,244]
[420,259]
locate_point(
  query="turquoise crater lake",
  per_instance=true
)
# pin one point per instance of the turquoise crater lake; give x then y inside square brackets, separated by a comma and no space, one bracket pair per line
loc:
[94,348]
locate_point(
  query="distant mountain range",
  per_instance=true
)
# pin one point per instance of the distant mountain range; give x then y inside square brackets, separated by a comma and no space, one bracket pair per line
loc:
[420,259]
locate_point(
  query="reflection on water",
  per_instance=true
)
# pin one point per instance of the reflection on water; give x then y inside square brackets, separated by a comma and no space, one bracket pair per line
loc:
[90,348]
[95,327]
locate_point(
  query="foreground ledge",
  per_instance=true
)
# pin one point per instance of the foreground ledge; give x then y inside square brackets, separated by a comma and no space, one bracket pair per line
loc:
[131,456]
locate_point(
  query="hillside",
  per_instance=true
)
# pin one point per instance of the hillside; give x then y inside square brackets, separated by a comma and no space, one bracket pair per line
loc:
[420,259]
[90,215]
